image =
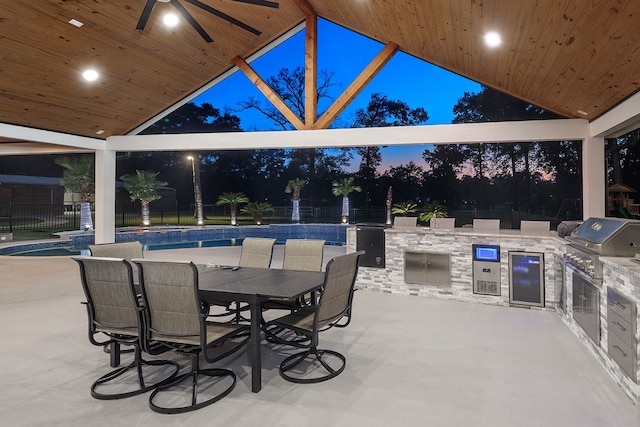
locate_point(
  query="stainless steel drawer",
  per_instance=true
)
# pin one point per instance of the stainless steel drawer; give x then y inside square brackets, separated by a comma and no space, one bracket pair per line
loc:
[621,305]
[623,355]
[619,326]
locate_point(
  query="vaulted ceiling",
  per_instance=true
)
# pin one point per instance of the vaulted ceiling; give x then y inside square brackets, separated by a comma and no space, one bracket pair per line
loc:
[576,58]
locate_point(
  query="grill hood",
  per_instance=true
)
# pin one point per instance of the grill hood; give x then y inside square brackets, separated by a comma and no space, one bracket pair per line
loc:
[608,236]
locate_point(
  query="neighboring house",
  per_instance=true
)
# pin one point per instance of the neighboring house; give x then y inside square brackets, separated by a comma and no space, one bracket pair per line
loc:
[37,193]
[45,195]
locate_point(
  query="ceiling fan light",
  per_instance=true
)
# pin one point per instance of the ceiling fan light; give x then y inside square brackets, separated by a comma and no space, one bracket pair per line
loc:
[170,20]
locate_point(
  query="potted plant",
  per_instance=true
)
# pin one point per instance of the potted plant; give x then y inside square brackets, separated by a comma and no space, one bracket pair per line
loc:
[433,210]
[404,208]
[256,210]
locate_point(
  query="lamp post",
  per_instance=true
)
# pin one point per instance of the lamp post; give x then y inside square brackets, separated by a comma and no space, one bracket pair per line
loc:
[195,169]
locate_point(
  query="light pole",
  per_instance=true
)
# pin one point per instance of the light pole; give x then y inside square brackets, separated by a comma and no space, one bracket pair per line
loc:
[195,169]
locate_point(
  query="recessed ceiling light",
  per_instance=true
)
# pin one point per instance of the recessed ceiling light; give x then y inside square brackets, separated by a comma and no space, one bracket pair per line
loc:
[492,39]
[170,20]
[76,23]
[100,132]
[584,113]
[90,75]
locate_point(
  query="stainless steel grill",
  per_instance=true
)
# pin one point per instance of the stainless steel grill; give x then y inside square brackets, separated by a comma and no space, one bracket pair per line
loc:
[598,237]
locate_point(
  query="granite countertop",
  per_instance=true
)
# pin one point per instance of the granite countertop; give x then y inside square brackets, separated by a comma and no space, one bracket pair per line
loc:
[472,232]
[627,264]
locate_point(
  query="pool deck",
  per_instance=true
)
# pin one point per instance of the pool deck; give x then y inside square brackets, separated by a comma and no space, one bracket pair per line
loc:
[410,361]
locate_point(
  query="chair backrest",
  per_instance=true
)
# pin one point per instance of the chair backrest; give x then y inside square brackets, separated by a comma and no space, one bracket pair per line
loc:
[337,293]
[256,252]
[170,294]
[302,254]
[442,223]
[486,224]
[405,222]
[535,226]
[126,250]
[111,297]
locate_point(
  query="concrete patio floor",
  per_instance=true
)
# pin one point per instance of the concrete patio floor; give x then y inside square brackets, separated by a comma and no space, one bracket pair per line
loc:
[411,361]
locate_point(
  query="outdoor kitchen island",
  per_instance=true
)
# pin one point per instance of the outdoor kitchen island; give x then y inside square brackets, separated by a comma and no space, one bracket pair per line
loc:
[454,249]
[450,265]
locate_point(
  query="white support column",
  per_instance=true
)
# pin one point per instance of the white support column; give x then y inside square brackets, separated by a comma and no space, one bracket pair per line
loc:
[105,163]
[593,178]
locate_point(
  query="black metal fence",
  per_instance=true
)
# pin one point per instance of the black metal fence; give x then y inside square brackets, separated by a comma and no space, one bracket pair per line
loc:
[45,217]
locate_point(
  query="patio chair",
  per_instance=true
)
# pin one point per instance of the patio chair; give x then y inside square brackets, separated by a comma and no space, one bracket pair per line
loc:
[114,311]
[176,318]
[257,252]
[303,255]
[126,250]
[334,303]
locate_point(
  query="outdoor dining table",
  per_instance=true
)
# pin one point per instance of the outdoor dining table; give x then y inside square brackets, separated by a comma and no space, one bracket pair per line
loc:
[254,286]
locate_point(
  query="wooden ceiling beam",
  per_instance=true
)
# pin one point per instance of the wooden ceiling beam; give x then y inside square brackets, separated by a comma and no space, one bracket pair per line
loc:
[271,95]
[356,86]
[311,72]
[305,7]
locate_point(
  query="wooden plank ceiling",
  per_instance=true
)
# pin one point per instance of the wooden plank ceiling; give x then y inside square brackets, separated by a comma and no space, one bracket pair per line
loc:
[566,56]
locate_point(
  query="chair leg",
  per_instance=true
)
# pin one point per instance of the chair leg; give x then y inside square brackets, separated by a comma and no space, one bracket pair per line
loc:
[294,360]
[141,386]
[193,375]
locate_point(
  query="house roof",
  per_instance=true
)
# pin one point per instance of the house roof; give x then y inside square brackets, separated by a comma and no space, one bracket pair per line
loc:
[620,188]
[576,58]
[28,180]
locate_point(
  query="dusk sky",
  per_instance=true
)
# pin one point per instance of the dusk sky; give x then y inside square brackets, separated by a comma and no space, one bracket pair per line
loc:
[346,54]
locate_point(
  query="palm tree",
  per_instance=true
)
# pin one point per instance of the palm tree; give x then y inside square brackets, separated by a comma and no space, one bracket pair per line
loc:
[256,210]
[294,186]
[77,177]
[343,188]
[143,186]
[233,200]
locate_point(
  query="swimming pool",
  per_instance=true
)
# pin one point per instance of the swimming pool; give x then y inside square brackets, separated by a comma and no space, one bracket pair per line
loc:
[185,238]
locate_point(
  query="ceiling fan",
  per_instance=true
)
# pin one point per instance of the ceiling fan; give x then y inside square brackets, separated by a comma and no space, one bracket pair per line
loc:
[148,8]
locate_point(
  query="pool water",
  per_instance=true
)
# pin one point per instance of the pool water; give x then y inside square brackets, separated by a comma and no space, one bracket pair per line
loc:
[70,251]
[52,252]
[173,238]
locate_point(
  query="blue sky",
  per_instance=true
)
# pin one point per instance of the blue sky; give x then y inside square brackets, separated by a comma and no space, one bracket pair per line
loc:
[346,54]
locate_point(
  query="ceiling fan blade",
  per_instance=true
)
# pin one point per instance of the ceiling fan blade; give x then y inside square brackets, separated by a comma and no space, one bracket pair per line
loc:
[224,16]
[146,12]
[192,21]
[261,3]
